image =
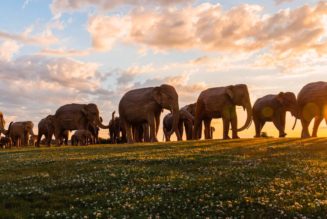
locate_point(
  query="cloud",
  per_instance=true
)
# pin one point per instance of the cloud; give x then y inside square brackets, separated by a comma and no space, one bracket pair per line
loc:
[7,49]
[208,27]
[59,6]
[279,2]
[106,31]
[32,86]
[64,52]
[45,38]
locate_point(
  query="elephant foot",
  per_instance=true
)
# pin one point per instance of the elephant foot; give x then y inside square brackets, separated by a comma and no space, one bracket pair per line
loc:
[226,137]
[236,137]
[282,135]
[314,136]
[257,136]
[154,140]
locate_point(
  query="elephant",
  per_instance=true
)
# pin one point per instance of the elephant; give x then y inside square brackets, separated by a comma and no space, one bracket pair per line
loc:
[46,128]
[188,125]
[75,117]
[221,102]
[33,140]
[184,116]
[116,130]
[312,102]
[273,108]
[5,142]
[81,137]
[19,132]
[145,106]
[94,129]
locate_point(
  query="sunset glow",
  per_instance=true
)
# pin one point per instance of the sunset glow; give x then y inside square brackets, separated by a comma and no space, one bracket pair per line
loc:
[66,51]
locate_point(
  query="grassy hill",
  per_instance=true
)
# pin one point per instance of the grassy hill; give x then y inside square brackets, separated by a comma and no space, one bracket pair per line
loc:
[245,178]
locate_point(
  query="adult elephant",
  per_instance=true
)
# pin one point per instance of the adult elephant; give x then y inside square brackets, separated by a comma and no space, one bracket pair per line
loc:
[75,117]
[273,108]
[312,102]
[145,106]
[221,102]
[184,117]
[46,128]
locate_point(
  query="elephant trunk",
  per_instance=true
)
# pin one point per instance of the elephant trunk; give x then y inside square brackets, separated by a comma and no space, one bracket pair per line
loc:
[189,116]
[175,114]
[6,132]
[98,122]
[248,119]
[294,123]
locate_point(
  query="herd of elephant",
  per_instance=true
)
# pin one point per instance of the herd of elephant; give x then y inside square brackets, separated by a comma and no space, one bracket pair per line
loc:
[140,110]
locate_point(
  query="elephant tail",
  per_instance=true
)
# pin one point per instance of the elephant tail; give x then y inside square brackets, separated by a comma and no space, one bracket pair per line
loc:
[9,129]
[296,121]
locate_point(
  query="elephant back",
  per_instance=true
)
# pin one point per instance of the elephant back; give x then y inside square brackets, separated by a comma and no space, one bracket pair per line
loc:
[313,92]
[74,108]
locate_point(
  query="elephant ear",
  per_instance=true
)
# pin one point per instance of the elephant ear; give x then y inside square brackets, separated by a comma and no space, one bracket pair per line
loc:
[280,98]
[156,94]
[229,92]
[84,111]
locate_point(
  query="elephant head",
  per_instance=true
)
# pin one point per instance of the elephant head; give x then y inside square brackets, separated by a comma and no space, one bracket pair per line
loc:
[289,102]
[91,112]
[185,115]
[239,95]
[167,97]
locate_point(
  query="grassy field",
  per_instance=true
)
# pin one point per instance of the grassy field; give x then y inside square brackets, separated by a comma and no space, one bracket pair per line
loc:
[248,178]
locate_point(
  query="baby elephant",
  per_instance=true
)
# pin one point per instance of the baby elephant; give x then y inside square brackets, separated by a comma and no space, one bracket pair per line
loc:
[273,108]
[81,137]
[5,142]
[184,115]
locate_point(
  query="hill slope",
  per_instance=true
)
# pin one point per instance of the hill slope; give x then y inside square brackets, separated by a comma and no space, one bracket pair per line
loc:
[249,177]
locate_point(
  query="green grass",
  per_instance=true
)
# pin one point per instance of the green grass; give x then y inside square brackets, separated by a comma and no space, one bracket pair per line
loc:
[248,178]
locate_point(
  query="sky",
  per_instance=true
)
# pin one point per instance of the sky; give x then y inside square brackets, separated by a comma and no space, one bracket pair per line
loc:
[55,52]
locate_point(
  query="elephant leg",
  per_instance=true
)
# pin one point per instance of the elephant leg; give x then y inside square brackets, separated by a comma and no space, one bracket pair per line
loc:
[39,136]
[197,129]
[317,122]
[180,129]
[188,130]
[305,128]
[207,125]
[200,130]
[157,123]
[278,124]
[226,123]
[128,128]
[258,127]
[152,125]
[146,133]
[283,122]
[48,139]
[234,124]
[167,136]
[178,134]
